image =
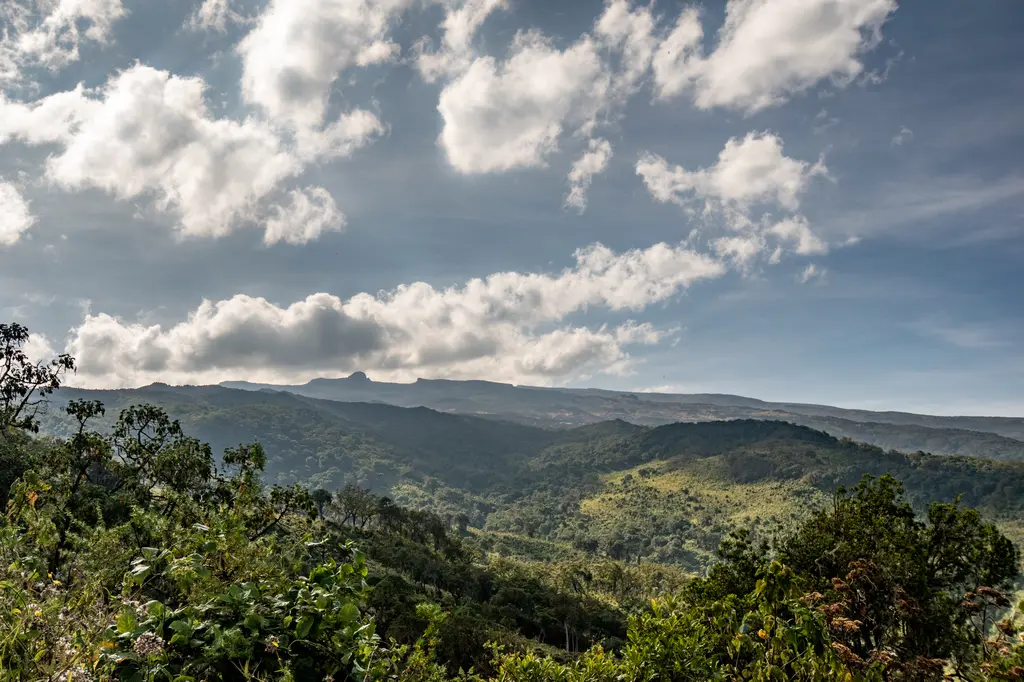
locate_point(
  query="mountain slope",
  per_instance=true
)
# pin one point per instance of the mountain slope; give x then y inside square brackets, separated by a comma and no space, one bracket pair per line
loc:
[991,437]
[669,492]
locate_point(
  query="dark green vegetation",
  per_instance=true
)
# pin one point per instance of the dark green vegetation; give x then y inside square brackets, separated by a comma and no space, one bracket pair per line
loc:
[989,437]
[129,551]
[668,493]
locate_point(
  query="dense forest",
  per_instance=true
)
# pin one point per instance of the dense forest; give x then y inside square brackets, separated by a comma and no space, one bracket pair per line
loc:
[667,494]
[357,543]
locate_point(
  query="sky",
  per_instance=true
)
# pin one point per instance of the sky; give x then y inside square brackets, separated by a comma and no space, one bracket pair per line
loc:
[801,200]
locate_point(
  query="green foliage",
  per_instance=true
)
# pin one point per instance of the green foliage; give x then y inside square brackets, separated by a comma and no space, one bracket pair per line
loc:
[24,384]
[136,555]
[898,583]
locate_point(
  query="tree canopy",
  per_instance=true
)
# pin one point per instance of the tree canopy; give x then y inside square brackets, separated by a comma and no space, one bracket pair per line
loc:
[136,553]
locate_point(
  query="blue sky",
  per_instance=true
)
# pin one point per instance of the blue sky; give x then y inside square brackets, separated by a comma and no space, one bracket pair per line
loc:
[804,200]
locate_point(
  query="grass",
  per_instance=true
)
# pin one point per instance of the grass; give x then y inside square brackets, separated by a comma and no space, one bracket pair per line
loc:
[692,506]
[702,485]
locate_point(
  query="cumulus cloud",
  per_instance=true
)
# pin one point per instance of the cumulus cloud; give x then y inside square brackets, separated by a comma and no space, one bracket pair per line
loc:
[52,119]
[629,33]
[462,20]
[509,326]
[148,133]
[673,62]
[593,162]
[15,216]
[312,212]
[503,115]
[768,50]
[214,15]
[48,33]
[38,349]
[748,171]
[299,48]
[348,133]
[741,251]
[750,177]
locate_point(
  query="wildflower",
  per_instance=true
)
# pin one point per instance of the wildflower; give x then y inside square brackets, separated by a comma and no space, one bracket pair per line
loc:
[812,598]
[148,645]
[81,675]
[845,654]
[67,646]
[76,675]
[1006,627]
[842,624]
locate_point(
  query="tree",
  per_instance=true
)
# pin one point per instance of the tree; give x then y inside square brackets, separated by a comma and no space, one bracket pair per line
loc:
[462,522]
[24,384]
[892,582]
[321,498]
[356,505]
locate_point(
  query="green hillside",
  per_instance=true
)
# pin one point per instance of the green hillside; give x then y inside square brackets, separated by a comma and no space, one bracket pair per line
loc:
[988,437]
[667,493]
[490,551]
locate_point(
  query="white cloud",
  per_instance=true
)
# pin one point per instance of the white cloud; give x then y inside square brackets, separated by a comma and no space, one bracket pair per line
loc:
[510,326]
[312,212]
[797,231]
[630,33]
[768,50]
[214,15]
[299,48]
[593,162]
[905,135]
[52,119]
[462,20]
[38,349]
[150,133]
[504,115]
[810,272]
[748,171]
[673,61]
[48,33]
[741,251]
[750,176]
[15,216]
[350,132]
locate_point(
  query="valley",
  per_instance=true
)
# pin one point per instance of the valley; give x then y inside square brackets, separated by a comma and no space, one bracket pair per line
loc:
[667,494]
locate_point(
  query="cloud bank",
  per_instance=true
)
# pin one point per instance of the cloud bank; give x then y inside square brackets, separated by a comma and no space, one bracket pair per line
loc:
[509,326]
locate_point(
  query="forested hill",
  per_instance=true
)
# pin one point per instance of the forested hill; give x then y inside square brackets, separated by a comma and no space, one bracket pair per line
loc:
[498,551]
[669,492]
[990,437]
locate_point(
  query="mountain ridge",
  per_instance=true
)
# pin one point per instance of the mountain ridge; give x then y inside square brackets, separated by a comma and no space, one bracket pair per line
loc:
[996,437]
[681,486]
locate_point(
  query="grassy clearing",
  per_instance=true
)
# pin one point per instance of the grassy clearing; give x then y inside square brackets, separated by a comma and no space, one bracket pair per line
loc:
[701,486]
[688,508]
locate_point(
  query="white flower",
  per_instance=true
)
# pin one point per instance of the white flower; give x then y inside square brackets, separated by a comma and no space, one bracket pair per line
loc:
[148,645]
